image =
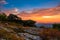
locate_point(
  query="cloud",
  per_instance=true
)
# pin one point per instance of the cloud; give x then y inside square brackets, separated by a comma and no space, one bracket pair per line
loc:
[50,15]
[3,2]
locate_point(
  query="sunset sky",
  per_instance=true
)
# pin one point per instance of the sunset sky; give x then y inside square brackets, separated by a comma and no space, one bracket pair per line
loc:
[43,11]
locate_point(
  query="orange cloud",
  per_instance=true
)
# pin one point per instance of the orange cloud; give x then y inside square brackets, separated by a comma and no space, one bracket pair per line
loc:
[50,15]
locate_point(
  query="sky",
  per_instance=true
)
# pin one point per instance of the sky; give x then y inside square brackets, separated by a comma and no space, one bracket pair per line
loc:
[48,13]
[29,4]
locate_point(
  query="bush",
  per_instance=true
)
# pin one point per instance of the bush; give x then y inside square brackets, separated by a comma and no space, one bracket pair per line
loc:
[57,26]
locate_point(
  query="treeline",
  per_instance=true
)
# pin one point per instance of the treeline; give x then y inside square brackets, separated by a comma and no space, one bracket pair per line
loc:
[16,19]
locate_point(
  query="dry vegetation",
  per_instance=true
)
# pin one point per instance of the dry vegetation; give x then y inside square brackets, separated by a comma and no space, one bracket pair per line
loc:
[8,32]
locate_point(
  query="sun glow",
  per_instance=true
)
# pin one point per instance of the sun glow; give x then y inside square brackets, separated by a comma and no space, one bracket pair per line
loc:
[54,16]
[46,16]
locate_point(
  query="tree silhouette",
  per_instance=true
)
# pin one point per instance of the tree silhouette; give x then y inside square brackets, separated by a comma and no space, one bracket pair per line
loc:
[56,26]
[42,26]
[16,19]
[12,17]
[30,23]
[3,17]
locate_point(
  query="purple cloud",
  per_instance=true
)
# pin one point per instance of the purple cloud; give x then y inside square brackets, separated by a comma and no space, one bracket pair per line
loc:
[3,2]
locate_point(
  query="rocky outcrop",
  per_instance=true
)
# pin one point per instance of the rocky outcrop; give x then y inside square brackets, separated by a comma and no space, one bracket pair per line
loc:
[13,32]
